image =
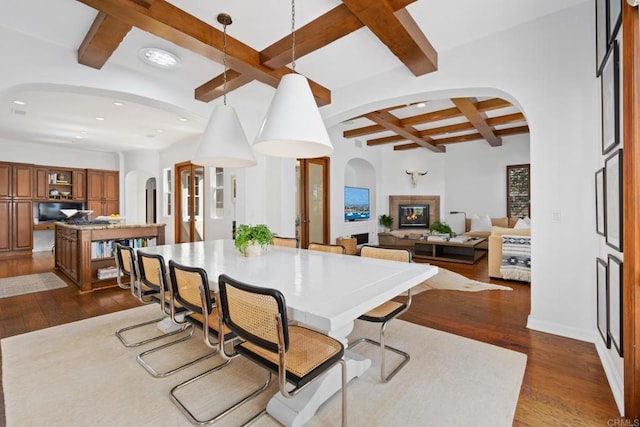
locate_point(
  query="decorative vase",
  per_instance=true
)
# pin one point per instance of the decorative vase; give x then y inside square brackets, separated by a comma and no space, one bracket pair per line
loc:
[253,249]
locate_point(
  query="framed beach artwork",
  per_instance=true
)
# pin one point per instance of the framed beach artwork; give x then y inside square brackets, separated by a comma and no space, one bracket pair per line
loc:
[615,289]
[600,212]
[613,200]
[609,99]
[602,294]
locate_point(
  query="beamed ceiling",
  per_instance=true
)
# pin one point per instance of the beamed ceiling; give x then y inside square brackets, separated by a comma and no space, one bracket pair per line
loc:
[387,19]
[467,119]
[435,124]
[93,48]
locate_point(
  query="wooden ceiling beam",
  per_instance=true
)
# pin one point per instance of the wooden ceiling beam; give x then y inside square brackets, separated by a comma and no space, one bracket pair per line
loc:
[175,25]
[392,123]
[477,120]
[214,88]
[507,118]
[399,32]
[385,140]
[324,30]
[433,116]
[465,138]
[102,39]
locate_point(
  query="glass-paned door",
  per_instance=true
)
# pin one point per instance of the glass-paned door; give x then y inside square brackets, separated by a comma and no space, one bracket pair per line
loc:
[189,191]
[312,207]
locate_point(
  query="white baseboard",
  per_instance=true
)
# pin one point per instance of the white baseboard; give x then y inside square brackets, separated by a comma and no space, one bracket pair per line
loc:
[616,383]
[562,330]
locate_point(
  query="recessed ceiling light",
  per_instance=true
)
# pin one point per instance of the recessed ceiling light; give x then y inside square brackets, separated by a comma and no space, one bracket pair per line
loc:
[79,136]
[158,57]
[182,119]
[100,119]
[421,105]
[118,104]
[15,101]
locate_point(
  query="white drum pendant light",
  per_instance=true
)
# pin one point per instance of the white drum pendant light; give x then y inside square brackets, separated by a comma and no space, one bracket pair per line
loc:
[224,143]
[293,126]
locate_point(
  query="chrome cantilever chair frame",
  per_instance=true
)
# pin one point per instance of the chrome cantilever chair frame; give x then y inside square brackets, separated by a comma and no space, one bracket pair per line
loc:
[206,308]
[254,341]
[170,310]
[384,313]
[126,265]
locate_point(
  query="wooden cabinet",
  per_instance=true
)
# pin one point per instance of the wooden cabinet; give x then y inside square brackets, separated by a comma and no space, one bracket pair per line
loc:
[82,250]
[16,209]
[79,177]
[103,192]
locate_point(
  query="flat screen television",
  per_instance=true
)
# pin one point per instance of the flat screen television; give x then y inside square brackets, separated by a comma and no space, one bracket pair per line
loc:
[356,204]
[50,211]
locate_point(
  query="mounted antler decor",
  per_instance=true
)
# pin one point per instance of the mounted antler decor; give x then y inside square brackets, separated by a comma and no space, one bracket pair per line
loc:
[414,176]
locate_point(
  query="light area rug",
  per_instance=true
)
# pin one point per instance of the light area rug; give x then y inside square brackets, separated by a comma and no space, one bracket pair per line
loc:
[79,374]
[449,280]
[30,283]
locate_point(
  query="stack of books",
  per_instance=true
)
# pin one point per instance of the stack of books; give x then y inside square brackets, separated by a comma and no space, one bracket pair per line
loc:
[460,239]
[438,238]
[107,273]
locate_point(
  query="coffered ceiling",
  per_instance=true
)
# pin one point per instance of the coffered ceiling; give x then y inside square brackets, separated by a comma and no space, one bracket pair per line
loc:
[337,44]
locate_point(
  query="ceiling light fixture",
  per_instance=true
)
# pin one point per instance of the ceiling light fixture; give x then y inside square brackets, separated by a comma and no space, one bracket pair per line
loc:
[421,105]
[224,143]
[118,103]
[18,102]
[293,126]
[158,57]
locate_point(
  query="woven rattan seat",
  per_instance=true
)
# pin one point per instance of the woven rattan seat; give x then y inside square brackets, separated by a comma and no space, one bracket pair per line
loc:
[322,247]
[298,355]
[387,311]
[190,288]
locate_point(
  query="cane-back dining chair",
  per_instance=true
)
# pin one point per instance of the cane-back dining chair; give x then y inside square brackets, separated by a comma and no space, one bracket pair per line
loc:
[190,287]
[387,311]
[258,316]
[153,274]
[288,242]
[128,278]
[323,247]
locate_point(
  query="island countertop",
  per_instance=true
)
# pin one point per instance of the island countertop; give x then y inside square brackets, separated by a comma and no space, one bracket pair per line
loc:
[114,225]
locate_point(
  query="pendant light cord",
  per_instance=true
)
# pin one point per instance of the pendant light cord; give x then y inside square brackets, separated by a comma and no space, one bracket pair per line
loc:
[224,63]
[293,35]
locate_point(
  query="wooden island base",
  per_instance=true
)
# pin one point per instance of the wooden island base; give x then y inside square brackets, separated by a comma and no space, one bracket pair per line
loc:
[82,250]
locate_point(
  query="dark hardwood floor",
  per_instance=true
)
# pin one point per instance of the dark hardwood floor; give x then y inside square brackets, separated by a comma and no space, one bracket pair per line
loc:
[564,383]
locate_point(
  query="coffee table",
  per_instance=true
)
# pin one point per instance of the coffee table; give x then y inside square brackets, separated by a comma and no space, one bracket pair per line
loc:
[465,252]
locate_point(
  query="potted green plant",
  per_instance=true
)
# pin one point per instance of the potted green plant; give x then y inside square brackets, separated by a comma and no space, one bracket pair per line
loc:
[386,221]
[440,227]
[252,240]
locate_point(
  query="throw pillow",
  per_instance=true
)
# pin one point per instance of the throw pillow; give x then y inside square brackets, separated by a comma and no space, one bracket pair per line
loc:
[523,223]
[480,223]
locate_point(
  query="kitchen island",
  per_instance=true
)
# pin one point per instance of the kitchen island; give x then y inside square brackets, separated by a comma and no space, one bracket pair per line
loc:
[84,253]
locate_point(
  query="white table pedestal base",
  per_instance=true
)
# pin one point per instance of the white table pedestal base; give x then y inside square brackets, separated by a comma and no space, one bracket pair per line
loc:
[166,325]
[296,411]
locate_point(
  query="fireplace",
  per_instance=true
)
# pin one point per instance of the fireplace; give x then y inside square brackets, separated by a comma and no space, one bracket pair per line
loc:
[413,216]
[433,201]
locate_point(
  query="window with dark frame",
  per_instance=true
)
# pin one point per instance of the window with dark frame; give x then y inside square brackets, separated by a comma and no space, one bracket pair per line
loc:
[518,191]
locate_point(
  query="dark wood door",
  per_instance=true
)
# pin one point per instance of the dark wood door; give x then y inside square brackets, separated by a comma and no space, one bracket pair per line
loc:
[189,201]
[312,216]
[79,180]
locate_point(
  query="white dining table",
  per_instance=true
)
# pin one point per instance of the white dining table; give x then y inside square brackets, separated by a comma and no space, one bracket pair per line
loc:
[324,291]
